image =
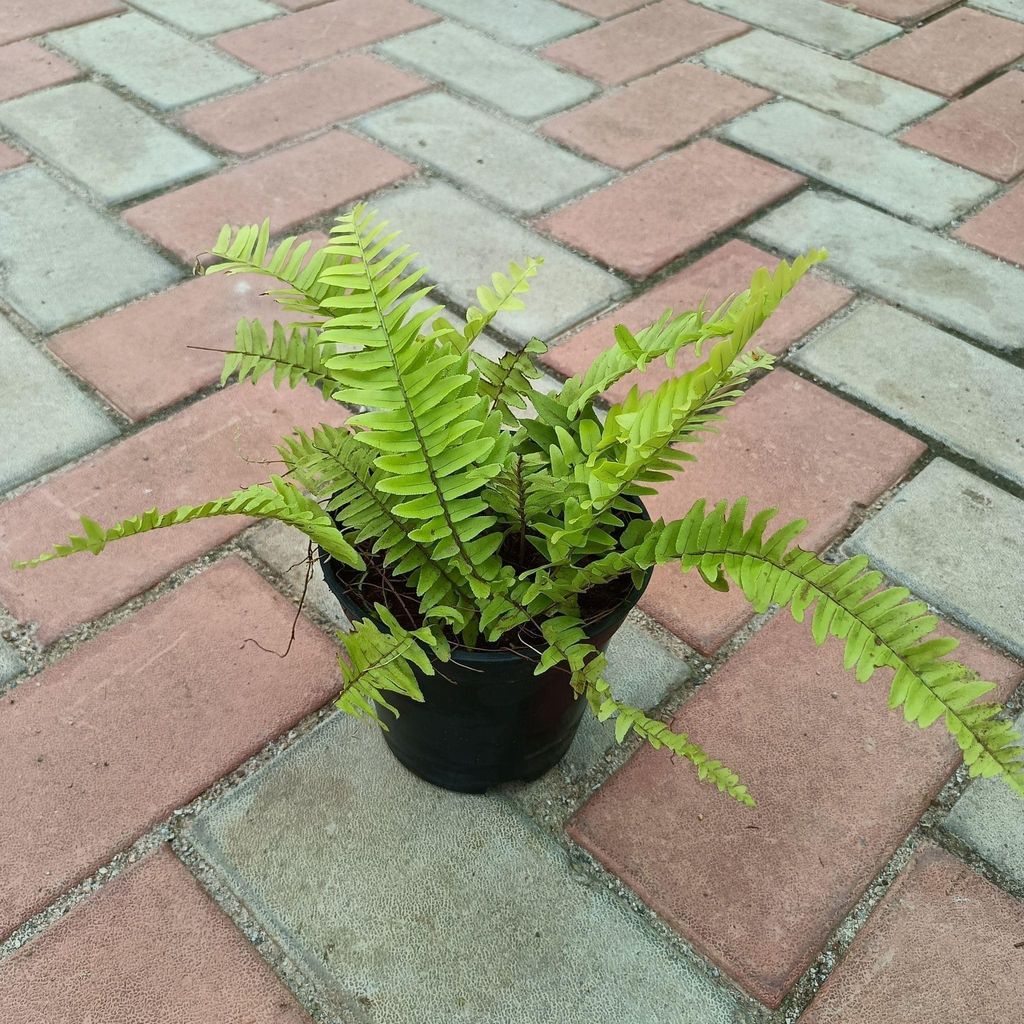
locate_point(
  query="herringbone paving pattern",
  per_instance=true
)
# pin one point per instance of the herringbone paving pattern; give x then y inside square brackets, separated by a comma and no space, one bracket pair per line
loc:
[189,832]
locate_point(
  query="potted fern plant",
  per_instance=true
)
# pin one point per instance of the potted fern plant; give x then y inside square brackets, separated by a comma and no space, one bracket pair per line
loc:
[487,538]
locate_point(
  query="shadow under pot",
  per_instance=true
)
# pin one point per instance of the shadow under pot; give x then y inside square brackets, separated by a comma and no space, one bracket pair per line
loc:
[486,717]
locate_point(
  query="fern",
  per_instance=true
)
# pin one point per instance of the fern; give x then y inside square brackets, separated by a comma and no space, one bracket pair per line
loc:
[498,506]
[281,501]
[880,626]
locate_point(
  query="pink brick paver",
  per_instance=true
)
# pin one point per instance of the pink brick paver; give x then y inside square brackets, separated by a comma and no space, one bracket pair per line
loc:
[943,945]
[653,114]
[999,228]
[23,18]
[604,8]
[643,41]
[322,31]
[290,186]
[663,210]
[205,451]
[105,743]
[951,53]
[151,947]
[903,11]
[839,780]
[25,67]
[787,444]
[11,157]
[983,131]
[714,278]
[139,356]
[285,108]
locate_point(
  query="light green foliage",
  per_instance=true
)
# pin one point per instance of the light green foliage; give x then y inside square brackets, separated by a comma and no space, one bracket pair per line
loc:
[499,506]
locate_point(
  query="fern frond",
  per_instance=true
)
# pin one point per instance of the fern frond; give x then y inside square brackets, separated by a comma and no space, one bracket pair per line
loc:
[334,465]
[738,319]
[291,355]
[508,381]
[501,297]
[281,501]
[568,642]
[246,250]
[880,626]
[438,443]
[382,657]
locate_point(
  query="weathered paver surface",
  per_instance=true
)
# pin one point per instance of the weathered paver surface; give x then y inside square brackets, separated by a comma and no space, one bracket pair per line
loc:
[655,153]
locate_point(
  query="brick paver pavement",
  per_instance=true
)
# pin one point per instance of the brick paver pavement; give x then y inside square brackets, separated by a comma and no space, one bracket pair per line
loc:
[654,152]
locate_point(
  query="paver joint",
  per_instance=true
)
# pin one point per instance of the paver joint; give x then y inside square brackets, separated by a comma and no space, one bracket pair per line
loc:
[654,153]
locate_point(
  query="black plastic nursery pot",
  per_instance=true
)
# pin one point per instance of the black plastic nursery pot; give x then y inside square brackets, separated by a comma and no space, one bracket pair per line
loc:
[486,717]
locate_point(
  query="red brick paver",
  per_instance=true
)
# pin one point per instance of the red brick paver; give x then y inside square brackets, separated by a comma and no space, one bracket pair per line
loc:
[787,444]
[653,114]
[104,744]
[643,41]
[23,18]
[943,945]
[25,67]
[714,278]
[11,157]
[646,220]
[902,11]
[999,229]
[139,357]
[839,779]
[322,31]
[206,451]
[983,131]
[149,947]
[951,53]
[287,107]
[289,186]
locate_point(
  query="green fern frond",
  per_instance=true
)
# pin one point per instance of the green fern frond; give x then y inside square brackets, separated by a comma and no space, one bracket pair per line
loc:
[738,319]
[246,250]
[438,443]
[880,626]
[291,355]
[382,657]
[508,381]
[568,642]
[281,501]
[501,297]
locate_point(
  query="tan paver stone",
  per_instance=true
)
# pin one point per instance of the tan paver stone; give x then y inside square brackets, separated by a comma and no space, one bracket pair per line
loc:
[714,278]
[943,945]
[290,106]
[983,131]
[643,41]
[839,780]
[653,114]
[150,946]
[322,31]
[289,186]
[25,67]
[106,742]
[139,357]
[11,157]
[951,53]
[901,11]
[999,228]
[787,444]
[646,220]
[22,18]
[203,452]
